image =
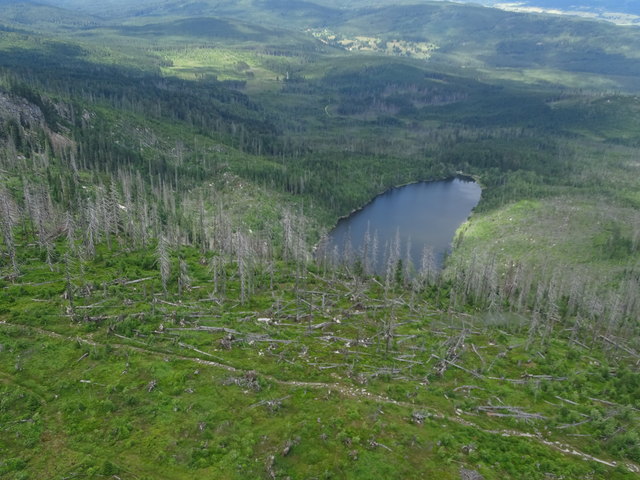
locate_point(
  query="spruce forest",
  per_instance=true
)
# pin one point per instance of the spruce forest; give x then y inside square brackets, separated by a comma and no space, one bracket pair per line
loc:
[169,172]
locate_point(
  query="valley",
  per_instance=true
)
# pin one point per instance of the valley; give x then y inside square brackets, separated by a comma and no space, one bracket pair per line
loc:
[167,170]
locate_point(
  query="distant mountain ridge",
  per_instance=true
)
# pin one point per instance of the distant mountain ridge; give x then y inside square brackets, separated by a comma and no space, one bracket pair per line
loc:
[621,13]
[464,35]
[623,6]
[598,7]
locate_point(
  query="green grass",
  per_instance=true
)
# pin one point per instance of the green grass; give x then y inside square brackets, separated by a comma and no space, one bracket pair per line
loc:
[516,232]
[76,392]
[214,163]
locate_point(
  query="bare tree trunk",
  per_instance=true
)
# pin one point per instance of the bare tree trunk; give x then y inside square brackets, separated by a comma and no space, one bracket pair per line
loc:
[184,281]
[164,262]
[8,217]
[393,257]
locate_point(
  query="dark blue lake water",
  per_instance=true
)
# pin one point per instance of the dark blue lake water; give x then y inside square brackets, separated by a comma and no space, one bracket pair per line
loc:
[411,223]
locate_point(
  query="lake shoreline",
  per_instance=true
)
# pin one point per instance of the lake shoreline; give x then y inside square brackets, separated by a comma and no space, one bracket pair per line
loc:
[460,175]
[431,213]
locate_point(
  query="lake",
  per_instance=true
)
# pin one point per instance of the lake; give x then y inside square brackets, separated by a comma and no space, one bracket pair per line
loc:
[414,223]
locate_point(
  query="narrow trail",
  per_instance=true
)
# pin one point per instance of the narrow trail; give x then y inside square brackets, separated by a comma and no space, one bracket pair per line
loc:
[348,391]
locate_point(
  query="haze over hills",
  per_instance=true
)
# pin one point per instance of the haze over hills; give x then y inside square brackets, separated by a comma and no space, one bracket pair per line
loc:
[622,13]
[490,41]
[626,10]
[596,6]
[168,171]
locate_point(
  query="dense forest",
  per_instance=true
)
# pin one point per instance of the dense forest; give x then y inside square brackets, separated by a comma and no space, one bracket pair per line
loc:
[168,172]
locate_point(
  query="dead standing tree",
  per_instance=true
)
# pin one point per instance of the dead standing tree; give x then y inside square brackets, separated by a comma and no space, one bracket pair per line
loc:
[164,261]
[294,244]
[8,219]
[393,257]
[184,280]
[245,261]
[41,212]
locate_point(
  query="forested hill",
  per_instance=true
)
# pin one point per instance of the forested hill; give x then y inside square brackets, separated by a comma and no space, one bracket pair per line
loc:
[167,168]
[467,36]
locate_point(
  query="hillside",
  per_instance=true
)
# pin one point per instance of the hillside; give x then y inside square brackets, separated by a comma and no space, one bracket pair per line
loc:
[166,170]
[496,43]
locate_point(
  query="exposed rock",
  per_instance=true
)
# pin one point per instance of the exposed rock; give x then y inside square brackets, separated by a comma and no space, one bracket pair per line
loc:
[19,109]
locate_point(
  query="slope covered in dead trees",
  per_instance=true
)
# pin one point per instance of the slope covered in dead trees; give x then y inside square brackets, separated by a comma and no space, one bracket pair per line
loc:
[162,313]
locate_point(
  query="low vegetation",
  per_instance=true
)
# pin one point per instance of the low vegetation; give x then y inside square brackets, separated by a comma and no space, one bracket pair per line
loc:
[163,182]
